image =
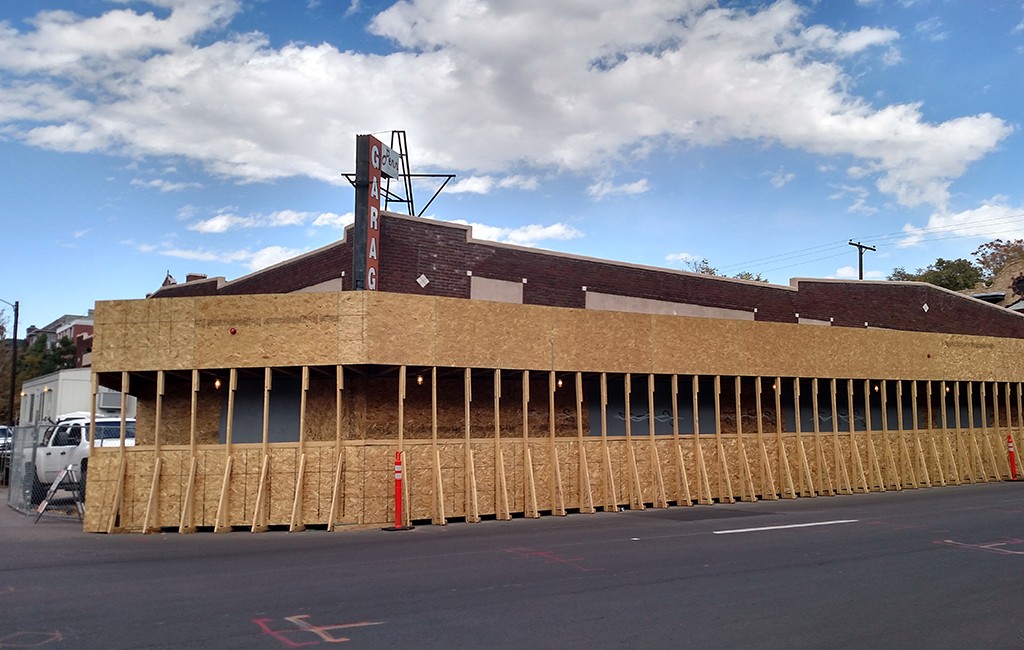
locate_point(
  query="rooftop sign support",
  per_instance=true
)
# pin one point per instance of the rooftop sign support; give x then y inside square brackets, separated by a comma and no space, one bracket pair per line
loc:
[374,161]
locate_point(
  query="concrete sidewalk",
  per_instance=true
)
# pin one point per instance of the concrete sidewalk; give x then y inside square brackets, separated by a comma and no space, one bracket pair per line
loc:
[15,525]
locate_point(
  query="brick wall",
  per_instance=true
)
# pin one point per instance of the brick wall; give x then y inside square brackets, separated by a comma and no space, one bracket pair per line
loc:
[443,254]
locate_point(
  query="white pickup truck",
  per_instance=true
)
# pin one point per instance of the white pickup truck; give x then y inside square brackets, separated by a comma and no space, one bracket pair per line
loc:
[67,443]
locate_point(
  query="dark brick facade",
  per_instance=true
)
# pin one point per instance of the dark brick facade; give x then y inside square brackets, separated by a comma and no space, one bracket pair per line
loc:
[444,254]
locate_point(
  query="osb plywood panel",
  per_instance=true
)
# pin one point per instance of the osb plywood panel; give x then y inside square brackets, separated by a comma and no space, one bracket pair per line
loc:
[100,489]
[400,329]
[175,465]
[601,341]
[492,335]
[299,327]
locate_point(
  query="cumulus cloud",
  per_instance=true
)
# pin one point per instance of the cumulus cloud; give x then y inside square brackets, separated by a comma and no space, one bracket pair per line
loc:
[486,184]
[601,189]
[683,258]
[164,185]
[226,220]
[253,260]
[531,235]
[851,273]
[994,219]
[632,78]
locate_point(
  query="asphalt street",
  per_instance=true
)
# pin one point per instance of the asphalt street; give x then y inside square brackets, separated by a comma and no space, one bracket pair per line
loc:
[930,568]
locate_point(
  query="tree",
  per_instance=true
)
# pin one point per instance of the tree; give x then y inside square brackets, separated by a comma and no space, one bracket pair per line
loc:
[747,275]
[703,267]
[996,254]
[956,275]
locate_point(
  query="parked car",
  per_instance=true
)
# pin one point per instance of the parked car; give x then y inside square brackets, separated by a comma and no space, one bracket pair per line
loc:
[5,454]
[67,443]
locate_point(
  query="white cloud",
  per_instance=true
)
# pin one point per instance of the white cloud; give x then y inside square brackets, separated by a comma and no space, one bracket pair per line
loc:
[485,184]
[222,223]
[253,260]
[332,220]
[164,186]
[780,178]
[269,256]
[632,77]
[226,221]
[531,235]
[932,29]
[683,258]
[601,189]
[851,273]
[993,219]
[858,193]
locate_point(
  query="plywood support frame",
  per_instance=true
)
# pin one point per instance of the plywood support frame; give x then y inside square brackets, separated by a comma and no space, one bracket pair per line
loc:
[501,500]
[725,491]
[825,485]
[768,489]
[586,495]
[660,498]
[845,483]
[609,497]
[636,498]
[748,491]
[682,482]
[472,503]
[440,518]
[557,494]
[187,524]
[807,486]
[788,488]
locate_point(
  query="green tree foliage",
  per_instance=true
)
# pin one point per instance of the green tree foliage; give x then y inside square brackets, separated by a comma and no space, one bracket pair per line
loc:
[40,358]
[957,275]
[703,267]
[747,275]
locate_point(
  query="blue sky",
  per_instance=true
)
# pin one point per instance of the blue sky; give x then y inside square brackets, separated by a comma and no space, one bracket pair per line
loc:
[210,136]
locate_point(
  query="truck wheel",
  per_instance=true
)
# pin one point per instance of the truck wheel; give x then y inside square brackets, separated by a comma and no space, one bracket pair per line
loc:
[36,490]
[81,480]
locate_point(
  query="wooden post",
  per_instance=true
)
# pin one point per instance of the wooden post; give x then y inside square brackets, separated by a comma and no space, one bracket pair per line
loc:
[259,518]
[439,511]
[993,464]
[557,495]
[221,522]
[807,487]
[845,484]
[725,491]
[746,477]
[530,508]
[940,472]
[951,457]
[922,461]
[585,497]
[153,503]
[768,489]
[337,502]
[501,506]
[187,523]
[824,476]
[608,495]
[682,482]
[890,460]
[788,489]
[858,466]
[298,517]
[979,463]
[472,505]
[873,462]
[906,461]
[660,498]
[636,499]
[704,496]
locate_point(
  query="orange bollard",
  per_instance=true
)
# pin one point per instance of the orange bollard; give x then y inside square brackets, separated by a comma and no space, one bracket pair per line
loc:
[398,495]
[1013,457]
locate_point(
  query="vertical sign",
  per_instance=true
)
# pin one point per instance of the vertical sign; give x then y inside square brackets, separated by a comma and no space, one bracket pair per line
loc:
[374,161]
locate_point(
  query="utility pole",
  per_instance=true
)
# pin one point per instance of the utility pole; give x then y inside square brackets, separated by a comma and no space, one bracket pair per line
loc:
[860,257]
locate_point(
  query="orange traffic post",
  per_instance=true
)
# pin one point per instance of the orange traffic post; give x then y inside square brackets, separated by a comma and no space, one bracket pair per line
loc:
[1013,457]
[398,495]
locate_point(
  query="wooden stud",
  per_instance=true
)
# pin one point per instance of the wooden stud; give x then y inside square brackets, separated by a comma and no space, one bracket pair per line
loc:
[220,524]
[153,502]
[873,461]
[748,491]
[336,497]
[187,524]
[439,511]
[192,433]
[114,523]
[267,386]
[259,514]
[704,495]
[660,498]
[924,476]
[125,377]
[608,494]
[636,499]
[845,484]
[500,484]
[530,507]
[337,502]
[906,461]
[472,504]
[725,491]
[682,483]
[297,525]
[768,489]
[951,457]
[788,489]
[807,487]
[986,439]
[979,463]
[824,476]
[855,458]
[585,497]
[890,460]
[339,405]
[557,495]
[158,415]
[939,461]
[95,381]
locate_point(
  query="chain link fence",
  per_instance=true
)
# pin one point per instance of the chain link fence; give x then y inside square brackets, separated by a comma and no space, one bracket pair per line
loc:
[29,479]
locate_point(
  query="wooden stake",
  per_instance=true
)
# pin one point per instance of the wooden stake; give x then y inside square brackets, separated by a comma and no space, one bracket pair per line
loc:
[608,493]
[660,498]
[530,507]
[922,461]
[788,489]
[906,462]
[500,484]
[873,462]
[557,495]
[585,497]
[259,517]
[472,505]
[636,499]
[824,476]
[858,466]
[746,478]
[845,484]
[439,511]
[890,460]
[725,491]
[682,483]
[807,487]
[703,480]
[187,524]
[939,462]
[297,524]
[768,490]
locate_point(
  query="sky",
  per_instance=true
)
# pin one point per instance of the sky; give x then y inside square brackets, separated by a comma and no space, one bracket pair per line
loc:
[211,136]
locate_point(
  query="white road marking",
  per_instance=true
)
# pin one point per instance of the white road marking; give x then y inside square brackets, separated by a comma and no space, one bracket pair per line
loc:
[813,523]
